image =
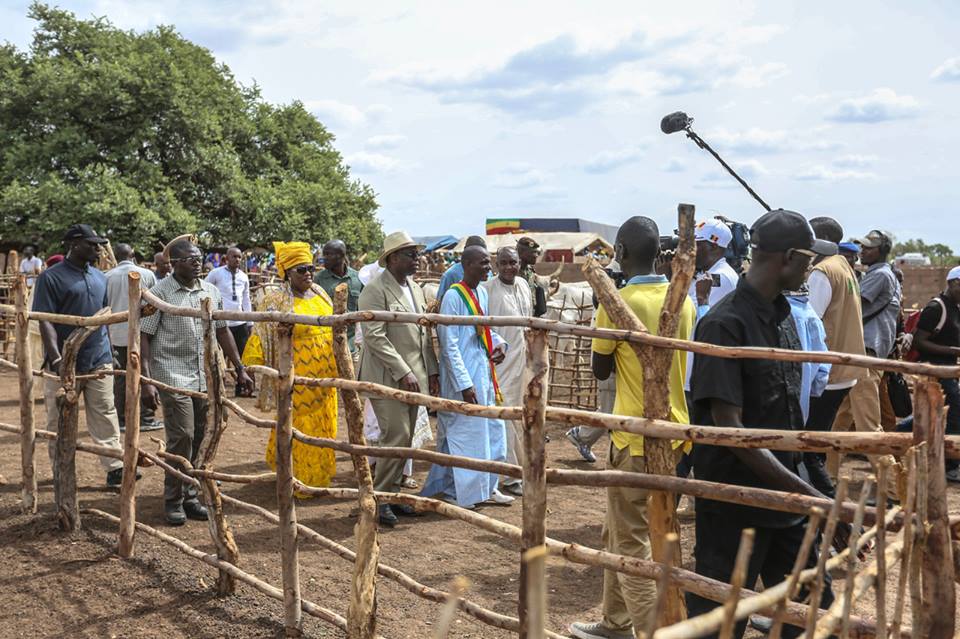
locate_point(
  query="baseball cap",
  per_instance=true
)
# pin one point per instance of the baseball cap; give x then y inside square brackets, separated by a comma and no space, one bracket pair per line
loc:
[83,232]
[713,231]
[873,239]
[954,273]
[851,247]
[781,230]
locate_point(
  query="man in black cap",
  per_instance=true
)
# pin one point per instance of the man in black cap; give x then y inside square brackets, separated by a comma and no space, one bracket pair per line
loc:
[755,393]
[529,252]
[75,287]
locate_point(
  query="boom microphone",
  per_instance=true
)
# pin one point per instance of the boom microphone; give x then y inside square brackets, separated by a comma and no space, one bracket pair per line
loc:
[677,121]
[680,121]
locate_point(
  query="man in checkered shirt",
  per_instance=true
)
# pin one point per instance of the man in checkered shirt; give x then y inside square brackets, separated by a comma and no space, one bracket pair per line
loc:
[172,353]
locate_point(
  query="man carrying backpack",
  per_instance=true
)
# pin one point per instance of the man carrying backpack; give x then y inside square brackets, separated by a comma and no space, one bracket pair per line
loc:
[937,341]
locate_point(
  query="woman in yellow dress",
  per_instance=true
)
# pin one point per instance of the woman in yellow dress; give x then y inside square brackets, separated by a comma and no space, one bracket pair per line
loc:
[314,409]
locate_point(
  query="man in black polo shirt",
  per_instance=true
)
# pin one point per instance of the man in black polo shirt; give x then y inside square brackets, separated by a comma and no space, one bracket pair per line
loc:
[75,287]
[938,342]
[754,393]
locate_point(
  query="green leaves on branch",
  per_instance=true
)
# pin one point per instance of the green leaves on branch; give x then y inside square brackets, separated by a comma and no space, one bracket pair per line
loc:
[146,136]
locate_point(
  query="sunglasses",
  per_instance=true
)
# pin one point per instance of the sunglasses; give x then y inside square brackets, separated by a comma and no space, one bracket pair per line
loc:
[304,269]
[193,259]
[804,252]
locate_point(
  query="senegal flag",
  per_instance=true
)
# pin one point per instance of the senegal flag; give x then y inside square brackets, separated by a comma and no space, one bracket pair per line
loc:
[502,226]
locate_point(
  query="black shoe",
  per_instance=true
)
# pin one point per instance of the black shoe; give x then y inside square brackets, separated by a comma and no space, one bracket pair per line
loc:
[818,475]
[115,477]
[404,510]
[195,510]
[174,514]
[385,516]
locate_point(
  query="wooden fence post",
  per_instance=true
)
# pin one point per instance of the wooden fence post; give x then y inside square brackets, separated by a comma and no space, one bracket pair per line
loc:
[131,436]
[220,532]
[65,457]
[362,610]
[25,377]
[289,555]
[938,588]
[532,604]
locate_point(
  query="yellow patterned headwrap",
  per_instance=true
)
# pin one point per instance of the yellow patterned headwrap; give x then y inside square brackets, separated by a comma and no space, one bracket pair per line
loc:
[290,254]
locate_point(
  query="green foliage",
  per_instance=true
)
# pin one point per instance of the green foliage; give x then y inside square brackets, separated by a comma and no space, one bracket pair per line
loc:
[939,254]
[146,136]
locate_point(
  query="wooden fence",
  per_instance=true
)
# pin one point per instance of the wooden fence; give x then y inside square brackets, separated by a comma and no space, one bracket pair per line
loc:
[922,544]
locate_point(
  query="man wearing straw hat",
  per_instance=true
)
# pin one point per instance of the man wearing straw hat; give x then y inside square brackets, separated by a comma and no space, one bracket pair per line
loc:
[398,355]
[173,351]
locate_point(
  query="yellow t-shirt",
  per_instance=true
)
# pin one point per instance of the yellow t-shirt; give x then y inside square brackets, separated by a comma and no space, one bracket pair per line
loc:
[646,300]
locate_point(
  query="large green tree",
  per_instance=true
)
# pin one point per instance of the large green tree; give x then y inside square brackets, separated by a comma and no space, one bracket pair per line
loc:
[146,136]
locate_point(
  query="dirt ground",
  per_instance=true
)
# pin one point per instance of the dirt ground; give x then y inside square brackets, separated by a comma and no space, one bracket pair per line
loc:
[54,586]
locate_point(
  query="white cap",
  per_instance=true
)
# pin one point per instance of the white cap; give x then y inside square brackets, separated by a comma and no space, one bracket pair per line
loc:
[713,231]
[954,273]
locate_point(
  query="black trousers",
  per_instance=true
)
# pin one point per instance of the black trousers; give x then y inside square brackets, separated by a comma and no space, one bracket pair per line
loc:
[147,415]
[823,410]
[241,333]
[774,553]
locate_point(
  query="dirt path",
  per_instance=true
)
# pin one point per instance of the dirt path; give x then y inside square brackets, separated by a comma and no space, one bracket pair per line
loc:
[58,587]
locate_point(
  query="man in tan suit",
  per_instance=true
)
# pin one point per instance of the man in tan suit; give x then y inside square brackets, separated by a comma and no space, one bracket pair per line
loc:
[398,355]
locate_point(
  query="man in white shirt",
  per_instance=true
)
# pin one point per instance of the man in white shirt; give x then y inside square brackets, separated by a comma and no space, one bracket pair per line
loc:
[117,297]
[234,287]
[30,265]
[510,296]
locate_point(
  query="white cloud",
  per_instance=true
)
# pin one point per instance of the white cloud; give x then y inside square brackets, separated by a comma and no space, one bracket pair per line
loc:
[336,113]
[607,161]
[365,162]
[747,169]
[881,105]
[949,71]
[820,173]
[384,142]
[854,161]
[520,176]
[674,165]
[762,141]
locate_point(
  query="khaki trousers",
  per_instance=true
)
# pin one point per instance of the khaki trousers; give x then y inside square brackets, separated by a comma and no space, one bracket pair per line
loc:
[627,599]
[397,422]
[100,412]
[861,410]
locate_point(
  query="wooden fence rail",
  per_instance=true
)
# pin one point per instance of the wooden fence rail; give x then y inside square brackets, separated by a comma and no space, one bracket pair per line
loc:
[923,547]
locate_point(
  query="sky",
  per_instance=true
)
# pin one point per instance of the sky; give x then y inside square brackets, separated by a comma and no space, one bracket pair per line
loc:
[455,112]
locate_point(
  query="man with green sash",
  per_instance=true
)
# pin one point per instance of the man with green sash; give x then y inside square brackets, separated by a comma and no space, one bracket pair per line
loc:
[468,355]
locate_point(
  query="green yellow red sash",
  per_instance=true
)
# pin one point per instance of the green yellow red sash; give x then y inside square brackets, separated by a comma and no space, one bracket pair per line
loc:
[483,332]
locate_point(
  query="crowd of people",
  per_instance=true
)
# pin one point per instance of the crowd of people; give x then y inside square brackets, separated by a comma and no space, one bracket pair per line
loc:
[800,291]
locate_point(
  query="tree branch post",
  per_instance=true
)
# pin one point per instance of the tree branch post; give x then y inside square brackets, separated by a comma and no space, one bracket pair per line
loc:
[65,457]
[25,377]
[532,604]
[131,436]
[289,555]
[938,588]
[362,610]
[220,531]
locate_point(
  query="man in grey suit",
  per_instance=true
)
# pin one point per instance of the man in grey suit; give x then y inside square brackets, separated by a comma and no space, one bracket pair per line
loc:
[398,355]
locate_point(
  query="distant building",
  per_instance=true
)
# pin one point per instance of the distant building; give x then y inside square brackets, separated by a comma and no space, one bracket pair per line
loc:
[501,226]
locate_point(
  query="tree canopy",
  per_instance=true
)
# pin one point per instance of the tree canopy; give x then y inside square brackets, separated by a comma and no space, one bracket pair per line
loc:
[939,254]
[146,136]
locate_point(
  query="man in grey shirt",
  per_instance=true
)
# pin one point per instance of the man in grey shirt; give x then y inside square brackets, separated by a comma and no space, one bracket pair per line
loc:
[117,297]
[879,294]
[880,301]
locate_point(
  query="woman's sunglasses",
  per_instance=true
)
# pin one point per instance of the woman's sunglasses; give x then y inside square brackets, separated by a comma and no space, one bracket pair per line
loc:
[303,269]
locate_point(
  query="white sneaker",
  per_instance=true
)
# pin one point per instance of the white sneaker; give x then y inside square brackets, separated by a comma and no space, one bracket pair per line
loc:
[499,498]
